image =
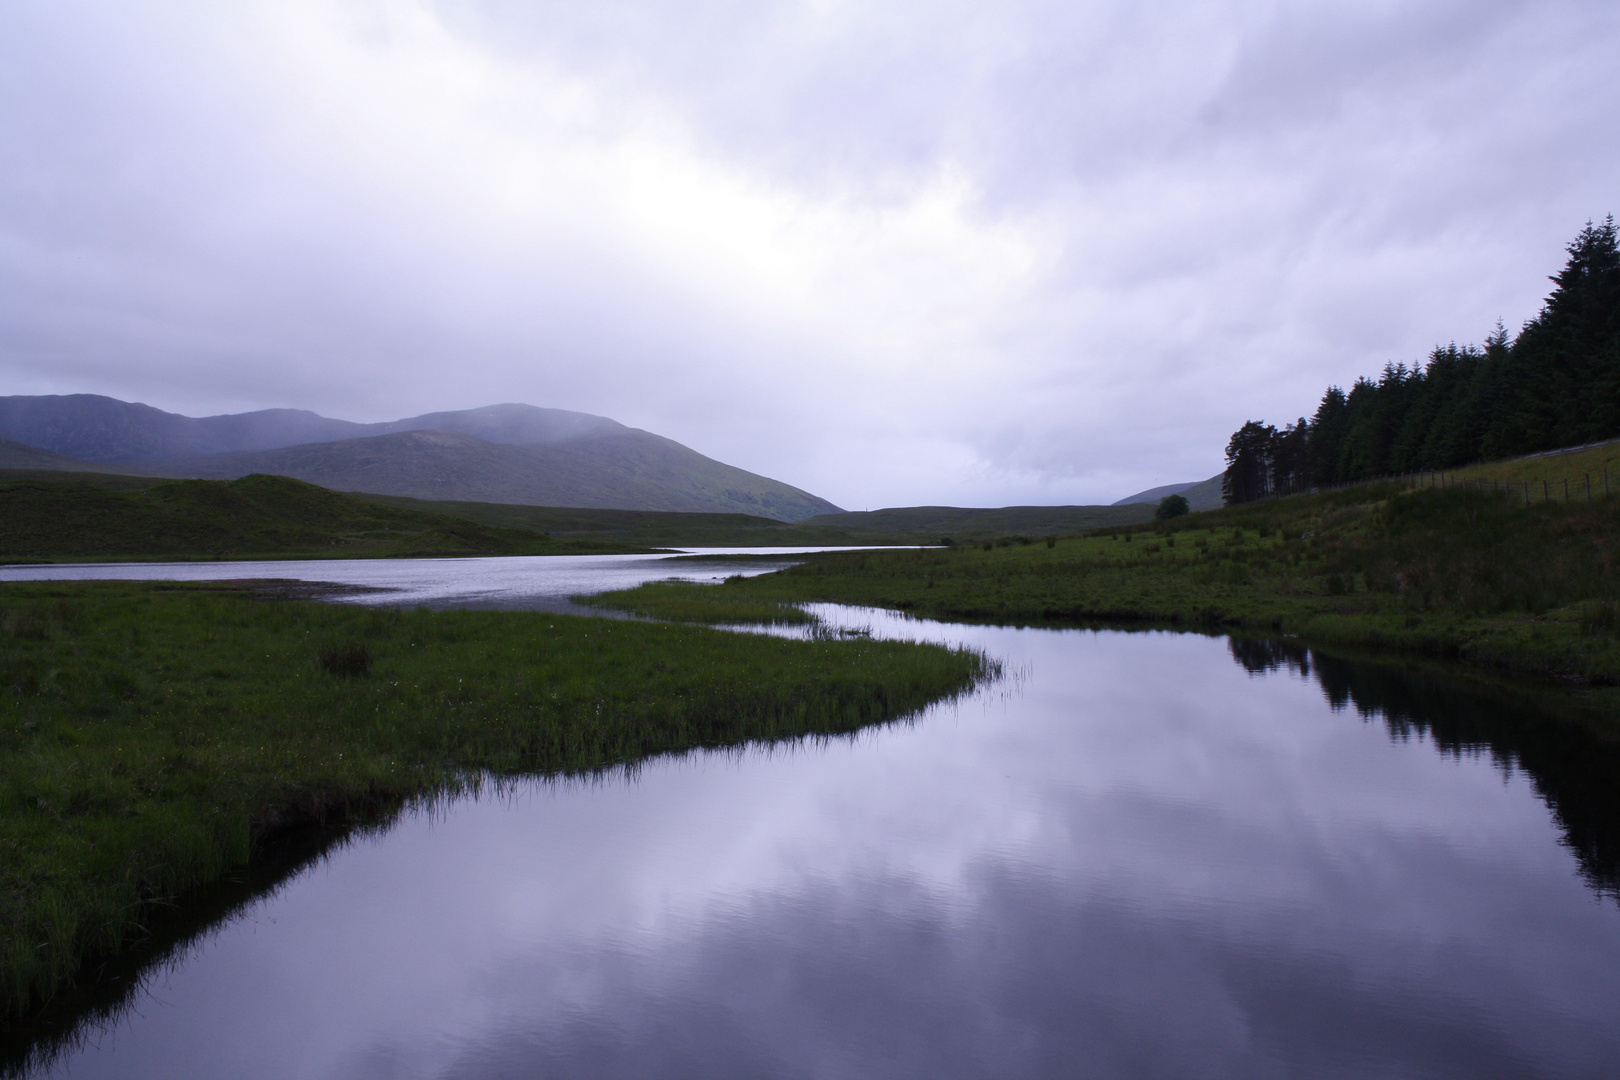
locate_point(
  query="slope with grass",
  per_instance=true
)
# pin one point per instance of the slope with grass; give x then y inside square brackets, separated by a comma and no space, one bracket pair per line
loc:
[1574,475]
[71,516]
[1527,590]
[155,735]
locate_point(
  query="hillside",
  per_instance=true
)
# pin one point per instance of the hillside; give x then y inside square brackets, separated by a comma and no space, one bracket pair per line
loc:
[44,516]
[103,429]
[499,454]
[1200,495]
[634,470]
[16,455]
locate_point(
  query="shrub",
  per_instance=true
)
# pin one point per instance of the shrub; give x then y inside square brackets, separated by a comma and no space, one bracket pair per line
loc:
[1171,506]
[346,660]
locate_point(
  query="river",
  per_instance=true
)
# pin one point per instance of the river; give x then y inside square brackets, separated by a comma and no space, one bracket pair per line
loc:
[1137,855]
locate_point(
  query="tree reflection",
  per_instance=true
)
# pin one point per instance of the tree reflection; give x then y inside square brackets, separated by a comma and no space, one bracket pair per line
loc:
[1574,768]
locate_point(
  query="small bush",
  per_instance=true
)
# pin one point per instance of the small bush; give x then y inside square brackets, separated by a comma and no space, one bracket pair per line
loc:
[346,661]
[1171,506]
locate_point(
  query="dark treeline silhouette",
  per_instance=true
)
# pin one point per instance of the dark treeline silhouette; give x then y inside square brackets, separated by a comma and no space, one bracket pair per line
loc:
[1556,384]
[1571,768]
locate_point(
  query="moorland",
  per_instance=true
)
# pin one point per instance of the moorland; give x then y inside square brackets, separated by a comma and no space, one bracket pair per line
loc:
[156,736]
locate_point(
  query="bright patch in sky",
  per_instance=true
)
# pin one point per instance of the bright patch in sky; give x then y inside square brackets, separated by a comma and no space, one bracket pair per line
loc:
[894,254]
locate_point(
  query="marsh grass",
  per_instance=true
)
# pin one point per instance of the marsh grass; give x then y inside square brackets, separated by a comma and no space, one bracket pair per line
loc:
[155,737]
[45,517]
[1458,574]
[715,605]
[347,660]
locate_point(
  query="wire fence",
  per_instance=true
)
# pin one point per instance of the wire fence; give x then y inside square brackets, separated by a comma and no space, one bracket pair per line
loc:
[1574,487]
[1583,488]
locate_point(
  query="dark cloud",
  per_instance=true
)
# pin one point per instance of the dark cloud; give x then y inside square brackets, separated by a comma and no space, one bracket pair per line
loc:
[1028,252]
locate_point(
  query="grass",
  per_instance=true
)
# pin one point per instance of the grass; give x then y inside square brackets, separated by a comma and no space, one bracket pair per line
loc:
[677,601]
[897,526]
[1550,476]
[63,517]
[156,736]
[1470,575]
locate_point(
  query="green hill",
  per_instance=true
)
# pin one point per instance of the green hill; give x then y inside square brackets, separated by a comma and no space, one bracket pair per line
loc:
[62,516]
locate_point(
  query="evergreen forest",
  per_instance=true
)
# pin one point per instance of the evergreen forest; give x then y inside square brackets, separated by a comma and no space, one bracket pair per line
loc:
[1556,384]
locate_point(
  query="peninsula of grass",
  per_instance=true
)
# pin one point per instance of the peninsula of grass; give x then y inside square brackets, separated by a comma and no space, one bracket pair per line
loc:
[73,517]
[680,601]
[155,736]
[1471,575]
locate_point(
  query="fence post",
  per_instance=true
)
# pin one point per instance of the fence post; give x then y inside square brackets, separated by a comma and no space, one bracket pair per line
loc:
[1544,495]
[1566,489]
[1588,487]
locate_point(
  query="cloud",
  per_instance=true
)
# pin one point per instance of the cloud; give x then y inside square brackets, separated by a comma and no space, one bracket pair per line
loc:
[895,254]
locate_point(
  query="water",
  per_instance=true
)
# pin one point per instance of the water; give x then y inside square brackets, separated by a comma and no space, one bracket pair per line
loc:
[1141,855]
[520,581]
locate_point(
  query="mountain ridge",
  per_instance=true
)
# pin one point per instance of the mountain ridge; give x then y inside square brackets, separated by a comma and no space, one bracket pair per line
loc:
[507,453]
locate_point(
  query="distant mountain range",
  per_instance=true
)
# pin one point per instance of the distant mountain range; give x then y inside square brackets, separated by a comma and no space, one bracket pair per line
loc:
[498,454]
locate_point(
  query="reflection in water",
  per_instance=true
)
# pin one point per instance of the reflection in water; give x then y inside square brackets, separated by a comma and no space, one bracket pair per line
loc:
[1147,862]
[1575,771]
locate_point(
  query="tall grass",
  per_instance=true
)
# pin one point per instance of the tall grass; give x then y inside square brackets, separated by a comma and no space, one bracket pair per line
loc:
[154,737]
[1455,573]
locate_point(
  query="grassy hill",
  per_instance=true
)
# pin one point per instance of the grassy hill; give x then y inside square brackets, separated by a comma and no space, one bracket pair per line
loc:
[65,516]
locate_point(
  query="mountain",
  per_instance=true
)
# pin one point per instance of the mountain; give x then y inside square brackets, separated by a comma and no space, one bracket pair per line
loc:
[16,455]
[1200,494]
[501,453]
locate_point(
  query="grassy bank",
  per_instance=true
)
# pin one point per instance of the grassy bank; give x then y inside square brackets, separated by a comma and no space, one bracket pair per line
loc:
[155,735]
[679,601]
[1530,591]
[898,526]
[72,517]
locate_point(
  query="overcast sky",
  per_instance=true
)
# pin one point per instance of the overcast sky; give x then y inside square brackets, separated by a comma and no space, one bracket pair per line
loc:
[1031,251]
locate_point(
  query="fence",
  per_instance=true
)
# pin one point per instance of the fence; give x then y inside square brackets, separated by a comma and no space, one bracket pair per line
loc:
[1563,489]
[1523,489]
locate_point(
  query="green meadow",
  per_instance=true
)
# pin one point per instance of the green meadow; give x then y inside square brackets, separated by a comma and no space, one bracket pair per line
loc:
[57,516]
[1471,575]
[157,736]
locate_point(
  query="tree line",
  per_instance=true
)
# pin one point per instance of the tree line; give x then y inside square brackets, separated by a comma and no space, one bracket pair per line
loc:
[1555,384]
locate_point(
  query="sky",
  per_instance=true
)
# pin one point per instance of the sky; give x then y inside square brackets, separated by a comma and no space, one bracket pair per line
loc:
[894,253]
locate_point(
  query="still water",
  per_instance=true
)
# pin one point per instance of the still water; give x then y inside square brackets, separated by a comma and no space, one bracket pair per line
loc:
[532,582]
[1139,855]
